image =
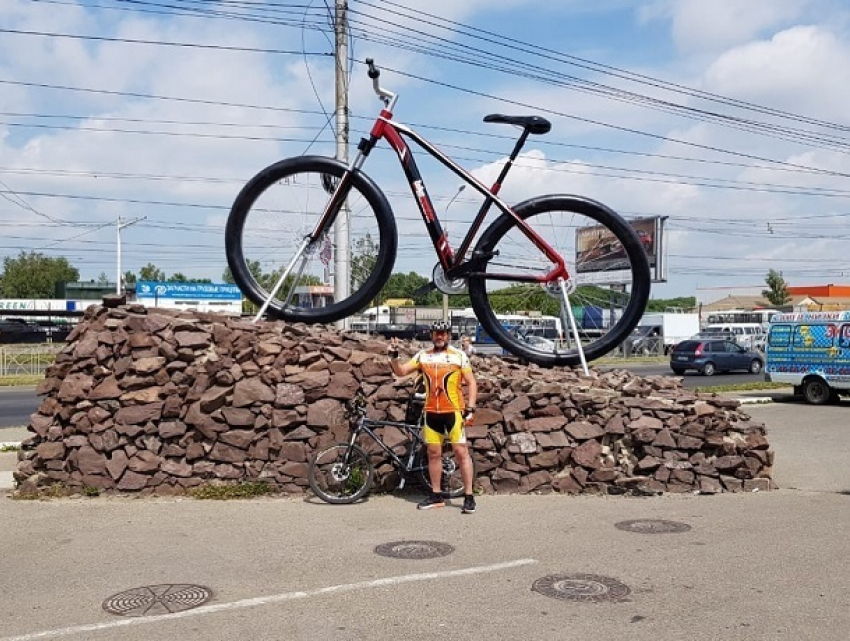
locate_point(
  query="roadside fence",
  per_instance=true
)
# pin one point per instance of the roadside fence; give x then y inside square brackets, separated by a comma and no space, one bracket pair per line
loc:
[27,360]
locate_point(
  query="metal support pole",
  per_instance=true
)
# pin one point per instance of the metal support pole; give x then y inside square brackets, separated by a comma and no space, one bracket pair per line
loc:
[342,241]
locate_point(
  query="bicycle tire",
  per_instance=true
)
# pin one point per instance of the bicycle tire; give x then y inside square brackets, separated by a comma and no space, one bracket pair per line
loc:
[278,208]
[505,249]
[451,482]
[336,481]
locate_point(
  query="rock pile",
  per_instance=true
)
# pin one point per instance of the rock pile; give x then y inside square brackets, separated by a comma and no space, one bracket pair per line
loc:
[154,401]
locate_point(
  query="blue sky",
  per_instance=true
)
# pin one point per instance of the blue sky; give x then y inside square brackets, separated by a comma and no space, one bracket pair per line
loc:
[96,126]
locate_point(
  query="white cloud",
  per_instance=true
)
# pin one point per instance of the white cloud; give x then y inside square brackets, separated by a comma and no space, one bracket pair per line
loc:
[711,26]
[796,70]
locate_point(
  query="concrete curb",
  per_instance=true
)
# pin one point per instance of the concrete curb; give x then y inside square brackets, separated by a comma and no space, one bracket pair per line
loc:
[756,400]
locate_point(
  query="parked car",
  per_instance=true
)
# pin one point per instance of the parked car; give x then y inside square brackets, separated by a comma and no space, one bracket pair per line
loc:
[710,356]
[538,342]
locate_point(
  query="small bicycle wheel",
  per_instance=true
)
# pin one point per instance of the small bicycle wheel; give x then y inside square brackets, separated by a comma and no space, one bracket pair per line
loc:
[272,227]
[341,473]
[451,484]
[607,288]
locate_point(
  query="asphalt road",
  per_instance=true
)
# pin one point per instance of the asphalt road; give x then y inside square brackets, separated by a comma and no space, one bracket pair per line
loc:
[690,378]
[16,405]
[767,566]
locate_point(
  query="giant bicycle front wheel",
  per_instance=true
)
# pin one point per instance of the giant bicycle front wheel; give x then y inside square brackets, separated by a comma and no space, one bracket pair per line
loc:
[451,483]
[272,228]
[341,473]
[607,289]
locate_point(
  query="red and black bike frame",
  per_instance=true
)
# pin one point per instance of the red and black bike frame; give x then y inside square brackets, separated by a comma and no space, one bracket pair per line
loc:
[454,263]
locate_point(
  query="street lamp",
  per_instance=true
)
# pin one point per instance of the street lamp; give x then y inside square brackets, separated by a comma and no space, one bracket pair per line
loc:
[119,226]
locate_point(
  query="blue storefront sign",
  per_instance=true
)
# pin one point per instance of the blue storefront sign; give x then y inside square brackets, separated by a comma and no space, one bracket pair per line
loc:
[197,291]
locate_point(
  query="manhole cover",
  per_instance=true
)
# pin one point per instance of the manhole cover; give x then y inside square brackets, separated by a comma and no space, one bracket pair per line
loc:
[151,600]
[589,588]
[414,549]
[652,526]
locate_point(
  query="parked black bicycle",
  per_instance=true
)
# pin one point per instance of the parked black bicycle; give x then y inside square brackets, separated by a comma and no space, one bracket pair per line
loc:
[344,473]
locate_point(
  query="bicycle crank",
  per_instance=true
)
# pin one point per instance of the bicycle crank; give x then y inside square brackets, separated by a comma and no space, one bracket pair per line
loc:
[445,285]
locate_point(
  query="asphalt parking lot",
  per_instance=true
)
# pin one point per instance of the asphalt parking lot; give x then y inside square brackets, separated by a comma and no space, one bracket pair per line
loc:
[769,565]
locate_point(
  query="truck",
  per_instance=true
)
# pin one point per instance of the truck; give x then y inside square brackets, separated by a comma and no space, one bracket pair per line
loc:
[811,352]
[658,332]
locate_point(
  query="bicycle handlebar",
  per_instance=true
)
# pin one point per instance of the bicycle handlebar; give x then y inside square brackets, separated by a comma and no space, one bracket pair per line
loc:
[374,72]
[386,96]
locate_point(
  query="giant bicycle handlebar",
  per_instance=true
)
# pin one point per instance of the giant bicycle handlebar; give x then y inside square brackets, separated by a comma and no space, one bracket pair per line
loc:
[386,96]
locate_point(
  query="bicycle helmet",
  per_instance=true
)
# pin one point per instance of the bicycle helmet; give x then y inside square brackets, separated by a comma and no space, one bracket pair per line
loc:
[441,326]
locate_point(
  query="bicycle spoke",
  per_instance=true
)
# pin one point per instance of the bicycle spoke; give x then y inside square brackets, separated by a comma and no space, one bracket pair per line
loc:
[606,290]
[280,210]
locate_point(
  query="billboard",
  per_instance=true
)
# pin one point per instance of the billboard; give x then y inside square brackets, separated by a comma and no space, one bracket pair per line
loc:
[601,259]
[147,289]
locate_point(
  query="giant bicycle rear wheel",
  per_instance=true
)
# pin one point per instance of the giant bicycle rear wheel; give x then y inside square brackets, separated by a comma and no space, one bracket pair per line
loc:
[272,226]
[607,289]
[341,473]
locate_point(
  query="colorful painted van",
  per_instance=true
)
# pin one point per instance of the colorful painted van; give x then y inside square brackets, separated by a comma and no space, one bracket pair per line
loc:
[811,351]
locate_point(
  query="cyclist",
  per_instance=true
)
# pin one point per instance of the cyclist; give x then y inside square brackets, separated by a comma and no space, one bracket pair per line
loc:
[444,369]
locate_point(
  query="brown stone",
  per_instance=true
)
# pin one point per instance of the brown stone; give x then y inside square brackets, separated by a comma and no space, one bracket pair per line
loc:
[170,429]
[664,439]
[213,398]
[250,391]
[325,412]
[227,454]
[237,438]
[90,461]
[582,430]
[176,468]
[136,414]
[50,451]
[144,461]
[588,454]
[132,481]
[106,389]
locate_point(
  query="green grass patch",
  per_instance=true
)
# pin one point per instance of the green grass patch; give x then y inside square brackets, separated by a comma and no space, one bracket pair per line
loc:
[22,380]
[9,448]
[55,491]
[226,491]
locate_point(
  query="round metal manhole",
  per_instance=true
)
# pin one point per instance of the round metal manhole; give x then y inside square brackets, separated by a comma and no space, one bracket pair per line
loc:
[652,526]
[152,600]
[588,588]
[414,549]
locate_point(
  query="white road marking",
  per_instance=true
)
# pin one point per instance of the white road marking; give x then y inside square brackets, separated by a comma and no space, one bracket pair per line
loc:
[266,600]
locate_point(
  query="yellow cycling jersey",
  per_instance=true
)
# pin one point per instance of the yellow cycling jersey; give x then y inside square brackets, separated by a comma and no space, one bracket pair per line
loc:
[443,374]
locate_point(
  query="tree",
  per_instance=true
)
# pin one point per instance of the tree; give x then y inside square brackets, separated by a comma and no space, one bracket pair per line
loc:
[103,279]
[777,292]
[410,285]
[129,278]
[151,272]
[34,275]
[665,304]
[363,260]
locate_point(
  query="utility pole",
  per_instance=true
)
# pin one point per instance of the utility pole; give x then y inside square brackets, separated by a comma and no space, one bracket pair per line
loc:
[342,255]
[118,227]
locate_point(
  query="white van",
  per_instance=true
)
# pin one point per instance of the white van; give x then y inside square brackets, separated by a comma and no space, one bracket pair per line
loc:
[749,335]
